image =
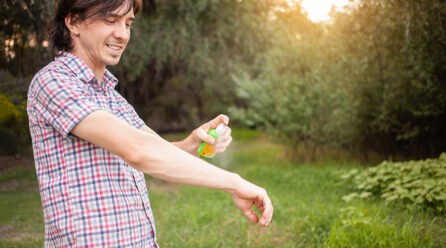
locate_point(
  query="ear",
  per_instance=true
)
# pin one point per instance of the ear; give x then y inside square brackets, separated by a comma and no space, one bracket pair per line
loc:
[72,24]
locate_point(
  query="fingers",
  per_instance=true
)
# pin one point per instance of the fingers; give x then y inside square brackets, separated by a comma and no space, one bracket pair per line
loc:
[217,120]
[226,135]
[224,141]
[221,147]
[203,136]
[249,195]
[263,203]
[251,215]
[267,212]
[202,131]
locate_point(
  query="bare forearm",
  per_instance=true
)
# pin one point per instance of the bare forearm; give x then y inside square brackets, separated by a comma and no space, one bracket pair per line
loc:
[186,145]
[164,160]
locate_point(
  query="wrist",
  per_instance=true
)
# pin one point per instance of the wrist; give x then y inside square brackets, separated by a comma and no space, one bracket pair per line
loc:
[192,144]
[232,183]
[188,145]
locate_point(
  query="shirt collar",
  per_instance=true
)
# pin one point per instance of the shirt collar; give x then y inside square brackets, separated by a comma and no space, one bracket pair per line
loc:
[84,73]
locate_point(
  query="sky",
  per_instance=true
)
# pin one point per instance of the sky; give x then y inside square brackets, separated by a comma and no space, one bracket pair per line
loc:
[318,10]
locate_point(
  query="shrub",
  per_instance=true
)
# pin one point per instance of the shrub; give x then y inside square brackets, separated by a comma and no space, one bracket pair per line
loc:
[293,101]
[13,128]
[10,144]
[8,111]
[421,183]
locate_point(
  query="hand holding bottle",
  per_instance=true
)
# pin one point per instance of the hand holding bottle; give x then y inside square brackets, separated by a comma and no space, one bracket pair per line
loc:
[208,150]
[216,141]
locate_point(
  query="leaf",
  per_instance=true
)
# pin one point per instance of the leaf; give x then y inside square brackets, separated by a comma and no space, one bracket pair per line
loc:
[364,195]
[441,196]
[350,197]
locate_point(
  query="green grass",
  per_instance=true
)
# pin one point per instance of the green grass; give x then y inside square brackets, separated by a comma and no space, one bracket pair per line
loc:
[21,216]
[308,207]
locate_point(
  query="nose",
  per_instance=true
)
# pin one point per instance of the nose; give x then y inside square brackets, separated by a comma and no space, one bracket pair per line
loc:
[122,32]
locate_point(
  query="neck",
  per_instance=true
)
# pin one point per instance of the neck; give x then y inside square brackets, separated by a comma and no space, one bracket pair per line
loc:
[98,70]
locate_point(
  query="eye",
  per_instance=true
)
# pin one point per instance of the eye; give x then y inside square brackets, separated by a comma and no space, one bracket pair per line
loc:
[109,21]
[129,25]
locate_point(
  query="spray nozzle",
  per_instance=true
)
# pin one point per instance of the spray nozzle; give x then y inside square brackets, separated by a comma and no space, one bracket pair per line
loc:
[221,129]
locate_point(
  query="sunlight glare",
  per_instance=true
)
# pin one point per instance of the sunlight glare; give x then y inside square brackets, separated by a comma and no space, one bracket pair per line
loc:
[319,10]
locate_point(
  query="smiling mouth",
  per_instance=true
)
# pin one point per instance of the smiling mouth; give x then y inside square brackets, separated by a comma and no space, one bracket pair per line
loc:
[114,47]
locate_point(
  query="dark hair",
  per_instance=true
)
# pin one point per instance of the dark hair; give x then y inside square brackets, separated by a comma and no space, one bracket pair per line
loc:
[58,33]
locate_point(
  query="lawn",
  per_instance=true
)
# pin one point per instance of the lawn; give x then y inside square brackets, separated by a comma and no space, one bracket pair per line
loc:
[308,207]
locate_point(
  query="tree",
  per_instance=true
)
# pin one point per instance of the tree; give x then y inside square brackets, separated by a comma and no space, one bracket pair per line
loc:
[396,52]
[177,66]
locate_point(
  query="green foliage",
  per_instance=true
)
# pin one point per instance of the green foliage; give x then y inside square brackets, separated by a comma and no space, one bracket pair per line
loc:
[22,33]
[9,113]
[372,79]
[13,128]
[288,108]
[23,53]
[392,56]
[190,49]
[411,183]
[366,81]
[288,93]
[363,226]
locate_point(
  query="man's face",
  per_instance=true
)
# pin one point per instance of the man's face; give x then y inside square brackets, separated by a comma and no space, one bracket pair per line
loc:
[101,41]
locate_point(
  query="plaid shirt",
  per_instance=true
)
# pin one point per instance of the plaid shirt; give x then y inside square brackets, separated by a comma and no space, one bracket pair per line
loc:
[90,197]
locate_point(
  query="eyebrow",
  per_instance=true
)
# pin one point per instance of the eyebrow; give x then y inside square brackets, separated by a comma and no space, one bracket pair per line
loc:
[116,15]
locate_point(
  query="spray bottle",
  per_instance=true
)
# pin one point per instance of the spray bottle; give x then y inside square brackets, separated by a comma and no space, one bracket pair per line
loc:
[207,150]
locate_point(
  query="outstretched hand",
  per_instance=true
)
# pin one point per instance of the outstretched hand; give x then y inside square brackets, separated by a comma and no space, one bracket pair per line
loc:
[249,195]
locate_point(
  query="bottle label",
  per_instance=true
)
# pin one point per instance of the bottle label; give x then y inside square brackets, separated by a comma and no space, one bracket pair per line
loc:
[208,151]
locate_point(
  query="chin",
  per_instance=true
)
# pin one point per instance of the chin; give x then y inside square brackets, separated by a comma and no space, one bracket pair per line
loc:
[113,61]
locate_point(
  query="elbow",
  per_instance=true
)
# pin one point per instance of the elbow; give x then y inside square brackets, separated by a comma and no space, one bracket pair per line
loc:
[143,156]
[139,159]
[134,155]
[150,154]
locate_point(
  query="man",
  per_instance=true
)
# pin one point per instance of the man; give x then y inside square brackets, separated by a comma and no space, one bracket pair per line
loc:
[91,148]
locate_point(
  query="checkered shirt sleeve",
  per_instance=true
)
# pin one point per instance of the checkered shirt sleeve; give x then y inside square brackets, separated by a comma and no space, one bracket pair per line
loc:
[62,101]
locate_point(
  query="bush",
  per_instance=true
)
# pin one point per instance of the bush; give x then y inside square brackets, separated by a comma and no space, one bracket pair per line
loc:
[9,114]
[290,109]
[13,127]
[421,183]
[10,144]
[289,94]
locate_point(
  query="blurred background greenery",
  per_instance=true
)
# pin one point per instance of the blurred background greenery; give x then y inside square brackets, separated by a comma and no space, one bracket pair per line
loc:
[365,85]
[371,79]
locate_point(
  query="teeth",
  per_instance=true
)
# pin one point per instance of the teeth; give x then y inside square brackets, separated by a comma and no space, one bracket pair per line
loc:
[114,47]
